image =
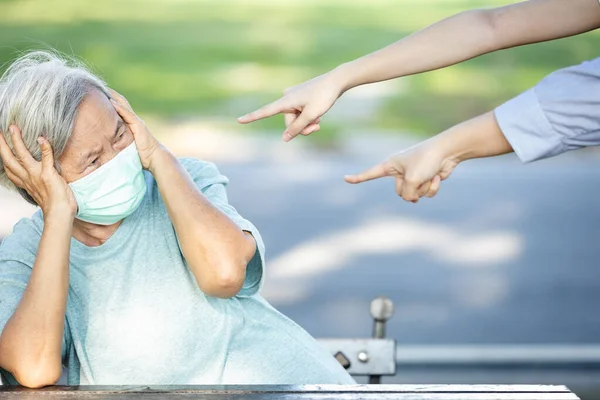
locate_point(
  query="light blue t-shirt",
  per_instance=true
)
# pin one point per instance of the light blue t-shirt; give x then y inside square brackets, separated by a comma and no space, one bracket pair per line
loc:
[135,314]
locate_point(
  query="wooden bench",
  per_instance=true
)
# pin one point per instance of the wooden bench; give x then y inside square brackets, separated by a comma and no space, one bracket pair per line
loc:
[307,392]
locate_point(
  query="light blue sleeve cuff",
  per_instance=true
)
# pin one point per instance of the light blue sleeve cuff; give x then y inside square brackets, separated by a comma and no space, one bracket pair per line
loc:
[527,129]
[255,271]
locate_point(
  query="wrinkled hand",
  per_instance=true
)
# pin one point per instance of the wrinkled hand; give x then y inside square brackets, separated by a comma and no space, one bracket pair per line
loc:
[40,179]
[418,171]
[302,106]
[145,142]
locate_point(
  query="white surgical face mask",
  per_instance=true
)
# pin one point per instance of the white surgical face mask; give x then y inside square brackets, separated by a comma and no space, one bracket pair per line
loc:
[113,191]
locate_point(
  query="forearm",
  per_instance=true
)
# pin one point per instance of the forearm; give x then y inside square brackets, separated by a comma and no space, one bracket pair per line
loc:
[476,138]
[470,34]
[215,248]
[31,342]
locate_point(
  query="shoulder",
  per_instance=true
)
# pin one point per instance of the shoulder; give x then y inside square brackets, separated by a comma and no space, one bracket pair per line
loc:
[204,173]
[22,244]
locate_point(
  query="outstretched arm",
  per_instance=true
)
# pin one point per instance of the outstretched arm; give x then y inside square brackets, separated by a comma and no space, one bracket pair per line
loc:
[450,41]
[557,115]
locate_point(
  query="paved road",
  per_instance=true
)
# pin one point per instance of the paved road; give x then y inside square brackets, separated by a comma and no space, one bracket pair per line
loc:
[505,254]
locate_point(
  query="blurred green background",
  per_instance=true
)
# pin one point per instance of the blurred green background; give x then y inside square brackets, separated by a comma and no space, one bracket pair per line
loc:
[218,59]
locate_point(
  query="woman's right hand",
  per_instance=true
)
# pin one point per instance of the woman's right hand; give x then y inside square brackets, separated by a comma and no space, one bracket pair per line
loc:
[302,105]
[40,179]
[418,171]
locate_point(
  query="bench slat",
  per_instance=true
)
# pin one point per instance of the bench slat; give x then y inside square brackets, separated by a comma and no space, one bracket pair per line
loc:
[289,392]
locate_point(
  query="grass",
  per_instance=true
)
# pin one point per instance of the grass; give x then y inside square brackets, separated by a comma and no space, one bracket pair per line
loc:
[220,59]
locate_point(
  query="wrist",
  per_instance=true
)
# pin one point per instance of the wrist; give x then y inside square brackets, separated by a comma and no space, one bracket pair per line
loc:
[343,77]
[450,146]
[61,214]
[476,138]
[159,156]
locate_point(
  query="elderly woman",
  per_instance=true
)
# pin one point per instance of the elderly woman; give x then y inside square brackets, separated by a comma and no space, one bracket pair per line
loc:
[135,270]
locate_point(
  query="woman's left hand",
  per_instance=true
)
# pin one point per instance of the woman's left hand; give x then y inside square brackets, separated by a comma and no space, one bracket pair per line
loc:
[147,145]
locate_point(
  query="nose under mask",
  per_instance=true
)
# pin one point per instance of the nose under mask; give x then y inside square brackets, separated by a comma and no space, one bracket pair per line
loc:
[112,192]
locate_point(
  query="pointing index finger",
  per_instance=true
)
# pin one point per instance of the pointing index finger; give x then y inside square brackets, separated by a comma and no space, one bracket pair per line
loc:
[378,171]
[264,112]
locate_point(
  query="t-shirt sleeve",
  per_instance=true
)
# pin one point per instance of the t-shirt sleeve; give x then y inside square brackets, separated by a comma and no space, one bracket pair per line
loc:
[559,114]
[209,180]
[17,256]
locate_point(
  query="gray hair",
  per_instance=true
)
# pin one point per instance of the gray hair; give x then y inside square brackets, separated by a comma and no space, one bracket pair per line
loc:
[40,93]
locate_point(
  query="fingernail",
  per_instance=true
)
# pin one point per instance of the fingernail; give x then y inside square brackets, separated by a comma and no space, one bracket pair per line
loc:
[11,130]
[243,116]
[40,140]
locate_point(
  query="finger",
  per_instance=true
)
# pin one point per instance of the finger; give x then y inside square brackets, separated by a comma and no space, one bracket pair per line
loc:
[435,186]
[13,178]
[47,154]
[288,118]
[119,97]
[378,171]
[312,128]
[128,115]
[267,111]
[19,149]
[9,160]
[299,124]
[409,190]
[399,184]
[423,189]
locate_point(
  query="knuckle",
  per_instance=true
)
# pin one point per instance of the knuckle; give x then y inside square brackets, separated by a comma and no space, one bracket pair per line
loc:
[412,180]
[310,115]
[46,175]
[410,197]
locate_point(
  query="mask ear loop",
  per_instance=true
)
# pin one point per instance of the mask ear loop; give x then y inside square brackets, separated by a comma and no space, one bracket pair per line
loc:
[80,204]
[58,169]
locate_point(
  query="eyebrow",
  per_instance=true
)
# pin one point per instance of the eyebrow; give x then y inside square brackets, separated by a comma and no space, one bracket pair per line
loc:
[88,154]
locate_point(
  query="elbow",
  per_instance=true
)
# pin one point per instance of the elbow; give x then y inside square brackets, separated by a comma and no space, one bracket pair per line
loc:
[228,269]
[229,285]
[227,277]
[31,369]
[226,283]
[487,27]
[38,375]
[497,32]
